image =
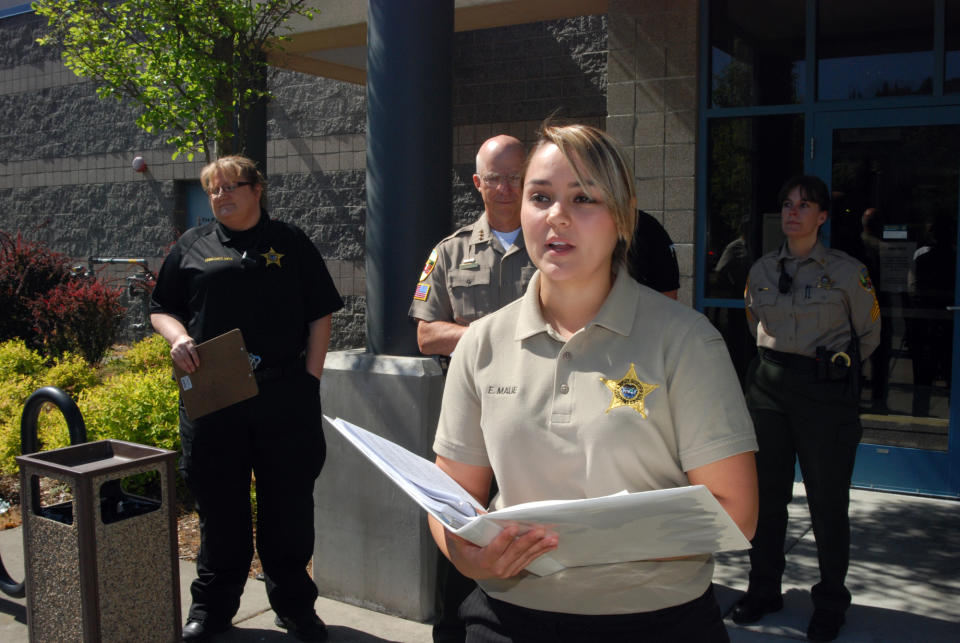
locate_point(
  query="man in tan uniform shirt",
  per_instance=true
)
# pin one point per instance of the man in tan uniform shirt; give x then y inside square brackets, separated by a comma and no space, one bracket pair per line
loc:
[470,273]
[473,272]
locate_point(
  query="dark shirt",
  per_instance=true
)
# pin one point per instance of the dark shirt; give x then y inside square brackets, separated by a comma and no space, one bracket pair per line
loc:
[271,296]
[651,259]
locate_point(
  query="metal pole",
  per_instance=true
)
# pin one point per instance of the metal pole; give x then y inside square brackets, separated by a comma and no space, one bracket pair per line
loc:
[409,158]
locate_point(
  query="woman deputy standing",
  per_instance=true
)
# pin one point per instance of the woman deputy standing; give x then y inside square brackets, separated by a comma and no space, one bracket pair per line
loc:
[815,316]
[588,385]
[265,277]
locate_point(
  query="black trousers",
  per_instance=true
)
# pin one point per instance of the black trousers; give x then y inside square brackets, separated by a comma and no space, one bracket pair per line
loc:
[277,436]
[452,588]
[797,416]
[493,621]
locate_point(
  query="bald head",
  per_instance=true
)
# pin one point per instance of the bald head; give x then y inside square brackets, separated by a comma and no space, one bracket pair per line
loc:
[501,146]
[499,166]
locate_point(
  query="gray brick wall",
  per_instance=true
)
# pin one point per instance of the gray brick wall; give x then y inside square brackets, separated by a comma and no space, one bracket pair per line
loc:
[652,111]
[526,72]
[508,80]
[66,180]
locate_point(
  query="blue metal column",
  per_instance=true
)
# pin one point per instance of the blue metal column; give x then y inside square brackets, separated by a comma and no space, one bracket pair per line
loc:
[409,156]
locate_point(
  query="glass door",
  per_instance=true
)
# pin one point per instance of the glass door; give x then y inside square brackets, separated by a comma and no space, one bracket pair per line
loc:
[895,182]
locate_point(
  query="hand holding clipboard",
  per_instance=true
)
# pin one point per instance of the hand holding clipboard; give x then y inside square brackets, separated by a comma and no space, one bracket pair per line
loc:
[223,378]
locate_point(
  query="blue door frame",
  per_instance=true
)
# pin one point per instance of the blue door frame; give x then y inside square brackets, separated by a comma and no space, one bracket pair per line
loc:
[888,467]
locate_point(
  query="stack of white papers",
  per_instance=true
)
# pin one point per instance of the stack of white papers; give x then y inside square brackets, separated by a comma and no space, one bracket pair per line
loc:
[591,531]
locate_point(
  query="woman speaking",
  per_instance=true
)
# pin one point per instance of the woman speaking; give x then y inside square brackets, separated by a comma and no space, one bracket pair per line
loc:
[587,385]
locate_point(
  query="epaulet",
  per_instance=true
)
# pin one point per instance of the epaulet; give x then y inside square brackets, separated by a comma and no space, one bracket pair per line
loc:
[191,236]
[466,230]
[844,257]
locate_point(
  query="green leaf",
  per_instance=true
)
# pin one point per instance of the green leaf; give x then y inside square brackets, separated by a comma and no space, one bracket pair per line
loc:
[190,65]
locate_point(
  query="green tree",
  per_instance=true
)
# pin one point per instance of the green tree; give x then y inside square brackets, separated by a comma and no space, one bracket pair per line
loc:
[194,67]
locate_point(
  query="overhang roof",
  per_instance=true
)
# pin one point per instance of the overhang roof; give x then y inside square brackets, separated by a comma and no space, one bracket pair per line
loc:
[334,43]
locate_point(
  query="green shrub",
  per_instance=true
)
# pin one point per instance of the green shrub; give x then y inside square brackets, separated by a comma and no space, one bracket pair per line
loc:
[13,393]
[136,407]
[21,370]
[150,353]
[52,431]
[71,373]
[17,360]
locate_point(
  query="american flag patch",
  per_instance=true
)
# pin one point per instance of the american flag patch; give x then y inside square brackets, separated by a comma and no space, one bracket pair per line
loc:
[421,292]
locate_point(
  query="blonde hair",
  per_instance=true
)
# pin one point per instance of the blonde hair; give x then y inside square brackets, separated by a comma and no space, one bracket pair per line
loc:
[237,168]
[598,166]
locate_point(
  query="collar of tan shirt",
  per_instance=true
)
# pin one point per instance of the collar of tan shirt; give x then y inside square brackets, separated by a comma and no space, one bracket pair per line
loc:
[617,313]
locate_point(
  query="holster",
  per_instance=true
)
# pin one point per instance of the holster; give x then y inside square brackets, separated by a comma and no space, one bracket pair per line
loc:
[843,365]
[833,366]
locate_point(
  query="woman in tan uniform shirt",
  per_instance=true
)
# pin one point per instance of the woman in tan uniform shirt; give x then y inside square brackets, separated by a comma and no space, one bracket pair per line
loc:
[588,385]
[815,317]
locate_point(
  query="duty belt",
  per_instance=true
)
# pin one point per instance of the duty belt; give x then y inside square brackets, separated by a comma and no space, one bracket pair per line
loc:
[789,360]
[827,365]
[269,374]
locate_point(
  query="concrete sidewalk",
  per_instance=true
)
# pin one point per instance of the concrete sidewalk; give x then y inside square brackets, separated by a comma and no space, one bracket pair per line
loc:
[904,577]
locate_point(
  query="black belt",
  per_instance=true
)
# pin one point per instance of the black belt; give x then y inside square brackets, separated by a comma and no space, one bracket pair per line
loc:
[789,360]
[272,373]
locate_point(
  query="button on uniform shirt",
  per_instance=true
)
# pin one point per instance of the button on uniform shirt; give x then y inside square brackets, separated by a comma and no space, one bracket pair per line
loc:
[641,395]
[829,290]
[272,296]
[468,276]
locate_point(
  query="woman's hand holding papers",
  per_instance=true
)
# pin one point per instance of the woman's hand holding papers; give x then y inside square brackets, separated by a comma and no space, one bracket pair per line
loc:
[506,555]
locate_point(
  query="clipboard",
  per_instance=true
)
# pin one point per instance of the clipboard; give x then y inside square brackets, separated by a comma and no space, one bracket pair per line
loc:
[223,379]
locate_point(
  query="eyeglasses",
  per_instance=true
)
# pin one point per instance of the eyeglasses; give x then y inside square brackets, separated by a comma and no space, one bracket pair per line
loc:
[493,180]
[785,283]
[227,189]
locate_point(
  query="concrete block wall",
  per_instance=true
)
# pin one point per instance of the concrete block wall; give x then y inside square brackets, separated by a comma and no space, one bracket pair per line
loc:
[652,111]
[65,154]
[508,80]
[316,159]
[66,177]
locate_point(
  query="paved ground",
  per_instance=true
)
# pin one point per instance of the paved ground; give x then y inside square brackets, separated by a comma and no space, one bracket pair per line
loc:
[904,576]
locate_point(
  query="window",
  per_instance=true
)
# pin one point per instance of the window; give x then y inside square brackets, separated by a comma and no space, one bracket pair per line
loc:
[757,52]
[951,84]
[750,158]
[865,50]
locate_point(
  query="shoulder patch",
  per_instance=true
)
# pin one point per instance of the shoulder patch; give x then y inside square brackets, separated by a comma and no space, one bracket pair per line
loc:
[429,266]
[421,292]
[864,280]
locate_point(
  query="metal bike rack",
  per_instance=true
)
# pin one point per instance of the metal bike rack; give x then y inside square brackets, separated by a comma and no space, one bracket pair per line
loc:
[28,443]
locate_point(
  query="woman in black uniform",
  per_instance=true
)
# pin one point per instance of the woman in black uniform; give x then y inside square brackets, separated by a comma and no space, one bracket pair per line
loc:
[266,278]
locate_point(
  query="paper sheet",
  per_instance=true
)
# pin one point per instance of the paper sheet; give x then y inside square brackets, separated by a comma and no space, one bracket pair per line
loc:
[592,531]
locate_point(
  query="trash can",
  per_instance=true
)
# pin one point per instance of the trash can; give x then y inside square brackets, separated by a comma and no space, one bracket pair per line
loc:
[102,566]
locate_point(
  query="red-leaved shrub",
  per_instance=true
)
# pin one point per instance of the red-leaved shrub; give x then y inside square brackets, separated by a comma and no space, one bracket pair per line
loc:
[27,270]
[80,316]
[48,307]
